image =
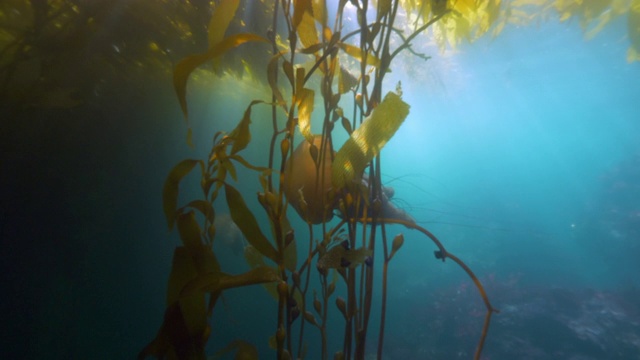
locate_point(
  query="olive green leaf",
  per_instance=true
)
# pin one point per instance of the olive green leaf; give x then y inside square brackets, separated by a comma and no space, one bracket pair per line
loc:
[171,188]
[244,219]
[189,231]
[241,134]
[356,53]
[216,281]
[204,207]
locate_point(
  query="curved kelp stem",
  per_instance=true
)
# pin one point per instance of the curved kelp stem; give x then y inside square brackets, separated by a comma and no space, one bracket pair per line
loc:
[490,309]
[442,254]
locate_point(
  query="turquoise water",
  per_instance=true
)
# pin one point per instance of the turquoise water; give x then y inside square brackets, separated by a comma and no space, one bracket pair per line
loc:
[520,153]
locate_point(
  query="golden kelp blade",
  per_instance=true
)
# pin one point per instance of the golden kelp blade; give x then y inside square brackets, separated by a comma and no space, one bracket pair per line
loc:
[307,31]
[357,53]
[305,101]
[366,141]
[241,134]
[186,66]
[220,20]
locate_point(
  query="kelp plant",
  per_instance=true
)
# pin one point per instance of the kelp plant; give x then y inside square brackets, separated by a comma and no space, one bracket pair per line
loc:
[313,179]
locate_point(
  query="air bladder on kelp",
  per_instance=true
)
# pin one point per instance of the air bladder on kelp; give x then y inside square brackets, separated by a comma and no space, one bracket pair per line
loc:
[314,173]
[307,181]
[310,192]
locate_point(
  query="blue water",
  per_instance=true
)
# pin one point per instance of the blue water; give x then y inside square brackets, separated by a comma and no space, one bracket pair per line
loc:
[527,167]
[520,153]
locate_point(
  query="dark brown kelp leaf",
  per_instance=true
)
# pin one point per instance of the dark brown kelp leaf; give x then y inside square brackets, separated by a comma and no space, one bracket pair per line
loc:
[300,75]
[255,259]
[184,330]
[216,281]
[247,223]
[183,271]
[346,81]
[383,8]
[204,207]
[189,231]
[299,8]
[205,260]
[194,313]
[312,49]
[211,231]
[171,188]
[176,337]
[258,275]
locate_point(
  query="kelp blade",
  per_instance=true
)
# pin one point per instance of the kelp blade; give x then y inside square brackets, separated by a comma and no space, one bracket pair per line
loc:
[184,330]
[366,141]
[247,223]
[186,66]
[220,20]
[171,189]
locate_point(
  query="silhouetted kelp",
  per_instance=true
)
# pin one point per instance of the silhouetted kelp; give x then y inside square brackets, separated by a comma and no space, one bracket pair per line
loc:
[313,179]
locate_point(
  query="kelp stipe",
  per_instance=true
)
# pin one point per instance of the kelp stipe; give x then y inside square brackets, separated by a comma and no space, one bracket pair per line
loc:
[314,179]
